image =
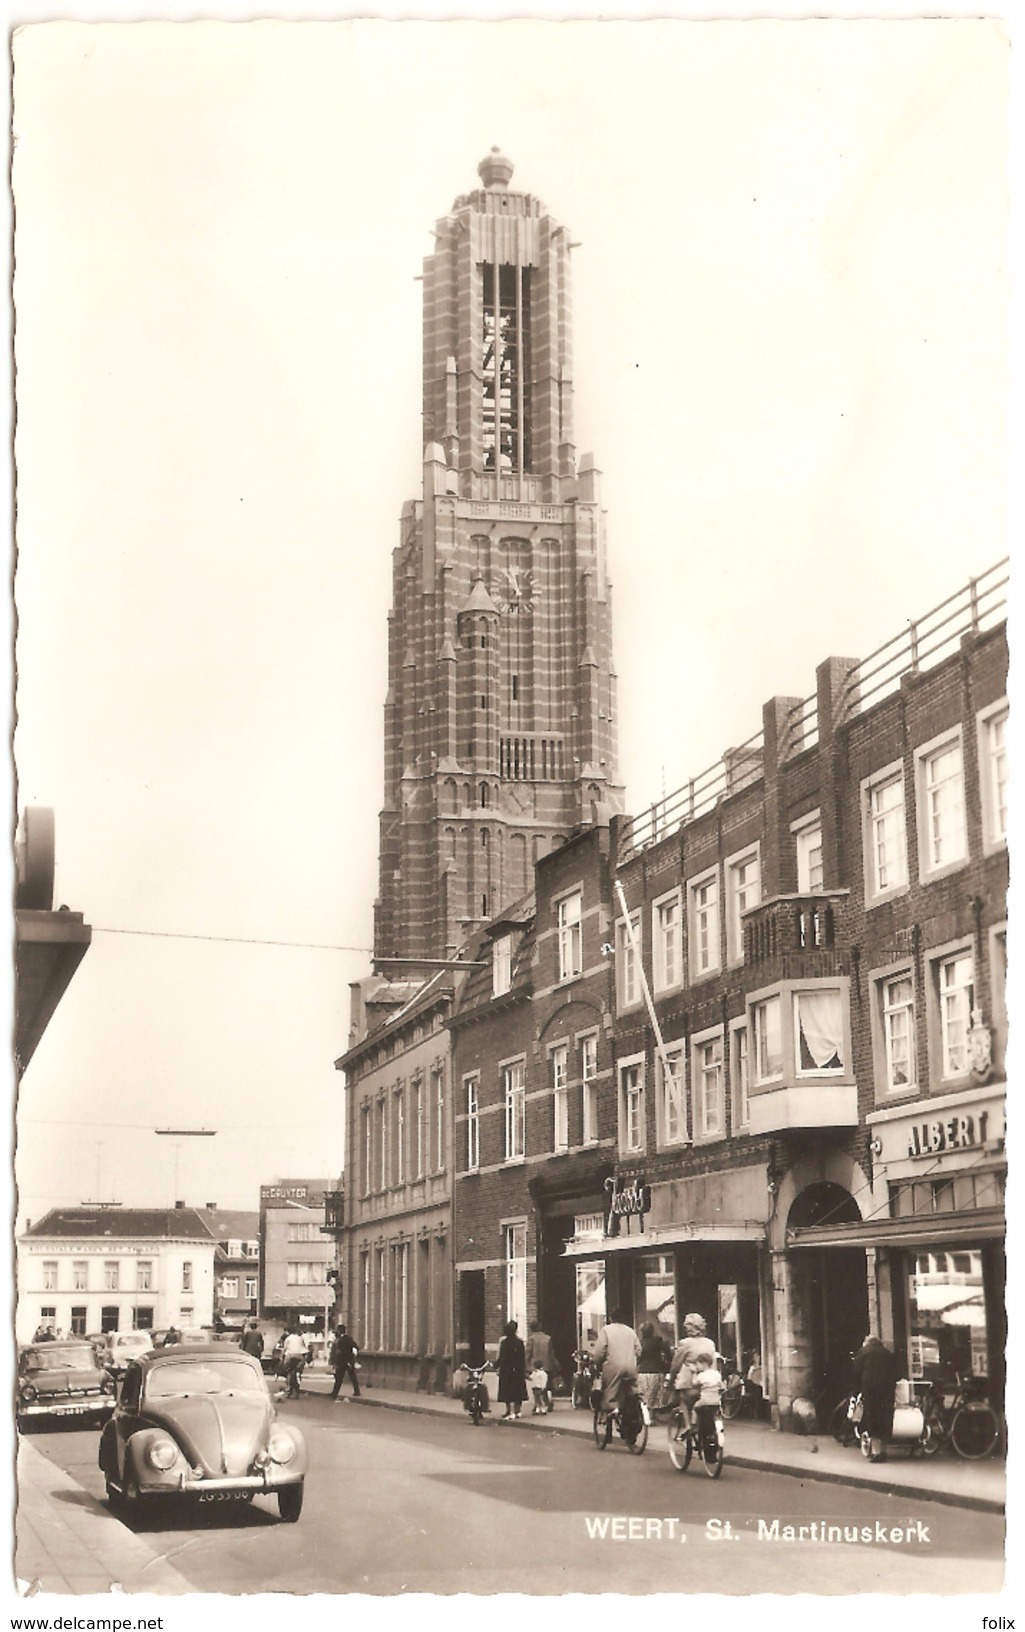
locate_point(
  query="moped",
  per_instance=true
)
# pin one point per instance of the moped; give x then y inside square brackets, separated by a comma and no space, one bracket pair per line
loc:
[475,1392]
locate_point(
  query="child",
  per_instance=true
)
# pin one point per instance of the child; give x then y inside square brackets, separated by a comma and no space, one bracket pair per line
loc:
[538,1381]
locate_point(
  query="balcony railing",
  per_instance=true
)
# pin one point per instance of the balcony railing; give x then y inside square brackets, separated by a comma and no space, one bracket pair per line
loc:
[334,1211]
[793,923]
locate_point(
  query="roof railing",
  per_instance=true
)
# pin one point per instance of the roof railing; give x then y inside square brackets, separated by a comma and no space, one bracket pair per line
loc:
[979,605]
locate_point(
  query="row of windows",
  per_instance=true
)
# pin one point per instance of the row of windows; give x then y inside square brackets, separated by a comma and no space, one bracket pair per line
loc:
[110,1276]
[716,899]
[798,1032]
[112,1318]
[514,1101]
[939,804]
[229,1284]
[384,1298]
[402,1133]
[303,1272]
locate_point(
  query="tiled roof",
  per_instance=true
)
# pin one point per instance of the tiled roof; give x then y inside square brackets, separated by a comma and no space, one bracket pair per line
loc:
[228,1225]
[154,1223]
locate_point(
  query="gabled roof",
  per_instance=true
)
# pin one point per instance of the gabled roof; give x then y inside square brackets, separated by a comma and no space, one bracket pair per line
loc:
[122,1223]
[230,1225]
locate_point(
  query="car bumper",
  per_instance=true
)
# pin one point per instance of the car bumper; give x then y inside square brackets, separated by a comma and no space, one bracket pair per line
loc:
[253,1484]
[67,1408]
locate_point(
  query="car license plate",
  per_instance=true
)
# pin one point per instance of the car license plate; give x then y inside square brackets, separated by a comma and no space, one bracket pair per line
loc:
[82,1405]
[222,1495]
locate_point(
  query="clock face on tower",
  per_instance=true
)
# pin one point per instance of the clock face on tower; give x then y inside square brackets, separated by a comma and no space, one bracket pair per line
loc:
[517,590]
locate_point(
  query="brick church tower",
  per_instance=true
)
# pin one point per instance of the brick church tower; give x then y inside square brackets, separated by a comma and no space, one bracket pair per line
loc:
[500,720]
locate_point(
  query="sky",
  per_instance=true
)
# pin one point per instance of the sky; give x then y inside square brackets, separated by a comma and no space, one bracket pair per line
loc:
[790,364]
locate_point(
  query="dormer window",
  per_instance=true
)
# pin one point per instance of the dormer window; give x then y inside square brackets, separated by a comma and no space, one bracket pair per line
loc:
[501,965]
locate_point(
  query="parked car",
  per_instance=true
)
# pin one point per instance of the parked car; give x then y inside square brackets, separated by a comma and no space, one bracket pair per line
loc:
[199,1421]
[117,1348]
[62,1380]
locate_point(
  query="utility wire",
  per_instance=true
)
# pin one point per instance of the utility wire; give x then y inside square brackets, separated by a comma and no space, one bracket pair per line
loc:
[234,940]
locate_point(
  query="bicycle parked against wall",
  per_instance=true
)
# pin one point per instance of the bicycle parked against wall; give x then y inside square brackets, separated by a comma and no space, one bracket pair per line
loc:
[960,1416]
[630,1417]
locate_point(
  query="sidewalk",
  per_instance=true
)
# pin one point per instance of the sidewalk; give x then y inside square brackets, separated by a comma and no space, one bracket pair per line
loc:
[944,1478]
[66,1542]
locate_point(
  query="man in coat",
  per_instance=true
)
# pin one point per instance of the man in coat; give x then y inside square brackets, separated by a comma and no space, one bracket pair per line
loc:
[343,1362]
[252,1340]
[617,1352]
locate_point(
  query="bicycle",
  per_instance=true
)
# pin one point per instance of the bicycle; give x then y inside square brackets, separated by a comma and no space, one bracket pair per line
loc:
[632,1420]
[963,1419]
[701,1431]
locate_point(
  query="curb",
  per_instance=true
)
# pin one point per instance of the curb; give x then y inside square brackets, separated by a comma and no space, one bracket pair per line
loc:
[826,1476]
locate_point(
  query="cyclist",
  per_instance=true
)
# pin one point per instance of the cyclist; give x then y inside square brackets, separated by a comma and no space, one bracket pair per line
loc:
[695,1353]
[617,1352]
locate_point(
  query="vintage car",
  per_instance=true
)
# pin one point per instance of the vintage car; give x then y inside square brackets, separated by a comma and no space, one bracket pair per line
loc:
[117,1348]
[62,1380]
[199,1421]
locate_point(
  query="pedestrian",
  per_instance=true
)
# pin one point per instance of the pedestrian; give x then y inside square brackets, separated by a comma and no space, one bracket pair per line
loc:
[343,1362]
[617,1351]
[43,1334]
[512,1372]
[875,1378]
[252,1340]
[695,1353]
[541,1357]
[652,1364]
[293,1355]
[171,1337]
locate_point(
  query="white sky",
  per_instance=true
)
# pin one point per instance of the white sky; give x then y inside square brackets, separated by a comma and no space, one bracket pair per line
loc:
[790,365]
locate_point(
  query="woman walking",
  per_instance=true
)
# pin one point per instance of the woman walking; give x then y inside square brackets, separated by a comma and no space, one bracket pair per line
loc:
[652,1364]
[875,1377]
[512,1372]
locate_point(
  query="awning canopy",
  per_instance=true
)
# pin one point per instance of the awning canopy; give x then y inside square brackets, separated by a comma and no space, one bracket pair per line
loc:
[670,1235]
[985,1224]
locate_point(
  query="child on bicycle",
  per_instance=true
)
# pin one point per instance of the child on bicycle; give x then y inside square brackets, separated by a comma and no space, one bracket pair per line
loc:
[694,1355]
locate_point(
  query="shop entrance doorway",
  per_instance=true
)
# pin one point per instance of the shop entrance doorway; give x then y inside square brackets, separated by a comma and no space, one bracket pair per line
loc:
[836,1293]
[471,1315]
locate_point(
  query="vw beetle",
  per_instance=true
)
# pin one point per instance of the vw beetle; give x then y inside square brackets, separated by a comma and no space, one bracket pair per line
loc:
[199,1422]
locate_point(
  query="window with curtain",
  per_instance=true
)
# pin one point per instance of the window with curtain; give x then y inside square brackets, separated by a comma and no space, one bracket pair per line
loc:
[818,1026]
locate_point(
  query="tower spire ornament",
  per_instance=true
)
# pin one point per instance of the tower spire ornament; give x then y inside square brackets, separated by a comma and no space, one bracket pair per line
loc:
[499,741]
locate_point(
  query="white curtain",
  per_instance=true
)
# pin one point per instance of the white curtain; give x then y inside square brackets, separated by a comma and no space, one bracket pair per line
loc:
[821,1022]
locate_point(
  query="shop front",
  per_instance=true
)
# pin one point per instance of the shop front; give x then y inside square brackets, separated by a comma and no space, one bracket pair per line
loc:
[687,1245]
[934,1237]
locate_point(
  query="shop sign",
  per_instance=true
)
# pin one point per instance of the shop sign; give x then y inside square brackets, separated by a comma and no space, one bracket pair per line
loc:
[955,1133]
[632,1201]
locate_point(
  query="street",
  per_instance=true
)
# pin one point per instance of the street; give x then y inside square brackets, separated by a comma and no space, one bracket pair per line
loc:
[399,1502]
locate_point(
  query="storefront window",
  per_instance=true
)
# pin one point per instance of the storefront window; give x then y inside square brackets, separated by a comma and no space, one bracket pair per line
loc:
[947,1314]
[655,1294]
[590,1302]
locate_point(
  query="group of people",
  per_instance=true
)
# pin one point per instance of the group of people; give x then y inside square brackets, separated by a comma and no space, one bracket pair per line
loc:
[628,1362]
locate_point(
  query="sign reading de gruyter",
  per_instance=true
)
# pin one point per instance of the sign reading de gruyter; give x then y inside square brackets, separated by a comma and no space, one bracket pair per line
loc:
[632,1201]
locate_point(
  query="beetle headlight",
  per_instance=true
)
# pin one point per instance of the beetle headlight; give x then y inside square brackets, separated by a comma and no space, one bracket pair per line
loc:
[162,1454]
[281,1446]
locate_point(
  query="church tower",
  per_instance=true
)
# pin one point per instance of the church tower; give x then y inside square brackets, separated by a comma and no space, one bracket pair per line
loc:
[500,720]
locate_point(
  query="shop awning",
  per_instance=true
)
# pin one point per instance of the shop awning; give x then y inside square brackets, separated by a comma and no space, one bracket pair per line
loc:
[985,1224]
[671,1235]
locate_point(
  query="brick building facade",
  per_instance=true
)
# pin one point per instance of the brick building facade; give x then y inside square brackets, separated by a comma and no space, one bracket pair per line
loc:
[535,1129]
[816,1127]
[395,1240]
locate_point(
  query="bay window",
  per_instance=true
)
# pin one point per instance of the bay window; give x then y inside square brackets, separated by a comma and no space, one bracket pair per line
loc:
[819,1031]
[768,1040]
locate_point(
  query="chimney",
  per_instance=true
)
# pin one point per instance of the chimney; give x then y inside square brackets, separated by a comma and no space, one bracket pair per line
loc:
[211,1206]
[178,1206]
